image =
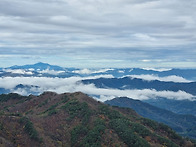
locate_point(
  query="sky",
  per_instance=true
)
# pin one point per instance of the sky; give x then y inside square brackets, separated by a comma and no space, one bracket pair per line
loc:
[98,33]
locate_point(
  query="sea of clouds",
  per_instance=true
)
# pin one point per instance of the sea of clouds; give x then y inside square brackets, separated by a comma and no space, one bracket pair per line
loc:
[74,84]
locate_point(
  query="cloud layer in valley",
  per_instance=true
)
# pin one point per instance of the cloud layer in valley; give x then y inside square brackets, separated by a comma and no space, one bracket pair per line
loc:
[172,78]
[18,71]
[73,84]
[88,71]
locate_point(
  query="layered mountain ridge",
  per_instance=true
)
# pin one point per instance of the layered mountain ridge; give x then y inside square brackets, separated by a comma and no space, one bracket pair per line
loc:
[48,70]
[134,83]
[172,90]
[184,124]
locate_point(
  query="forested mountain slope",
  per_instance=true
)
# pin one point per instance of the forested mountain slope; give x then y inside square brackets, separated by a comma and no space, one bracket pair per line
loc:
[74,119]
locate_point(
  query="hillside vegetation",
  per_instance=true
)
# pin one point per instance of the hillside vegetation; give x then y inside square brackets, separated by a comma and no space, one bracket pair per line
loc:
[74,119]
[182,124]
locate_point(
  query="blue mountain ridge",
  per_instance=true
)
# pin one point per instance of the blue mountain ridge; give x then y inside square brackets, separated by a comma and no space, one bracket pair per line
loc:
[189,74]
[182,124]
[39,65]
[176,106]
[21,87]
[134,83]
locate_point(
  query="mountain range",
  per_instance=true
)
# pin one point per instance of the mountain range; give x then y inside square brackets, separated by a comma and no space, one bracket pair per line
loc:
[37,66]
[176,106]
[46,69]
[182,124]
[168,95]
[134,83]
[74,119]
[29,89]
[115,78]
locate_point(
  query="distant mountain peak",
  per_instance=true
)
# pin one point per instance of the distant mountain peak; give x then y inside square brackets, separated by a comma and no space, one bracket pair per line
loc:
[39,65]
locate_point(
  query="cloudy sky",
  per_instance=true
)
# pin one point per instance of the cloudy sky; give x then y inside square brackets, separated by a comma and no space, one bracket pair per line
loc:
[98,33]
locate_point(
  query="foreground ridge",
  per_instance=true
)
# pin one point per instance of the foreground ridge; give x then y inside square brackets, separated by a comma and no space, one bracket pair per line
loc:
[75,119]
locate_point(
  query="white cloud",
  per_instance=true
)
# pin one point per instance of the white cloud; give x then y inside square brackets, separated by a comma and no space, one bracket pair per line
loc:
[52,72]
[121,71]
[25,91]
[31,69]
[172,78]
[135,94]
[73,84]
[144,37]
[145,60]
[157,69]
[88,71]
[43,82]
[18,71]
[83,71]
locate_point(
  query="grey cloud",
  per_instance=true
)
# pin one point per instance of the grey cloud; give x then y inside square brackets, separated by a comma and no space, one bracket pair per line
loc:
[29,8]
[118,29]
